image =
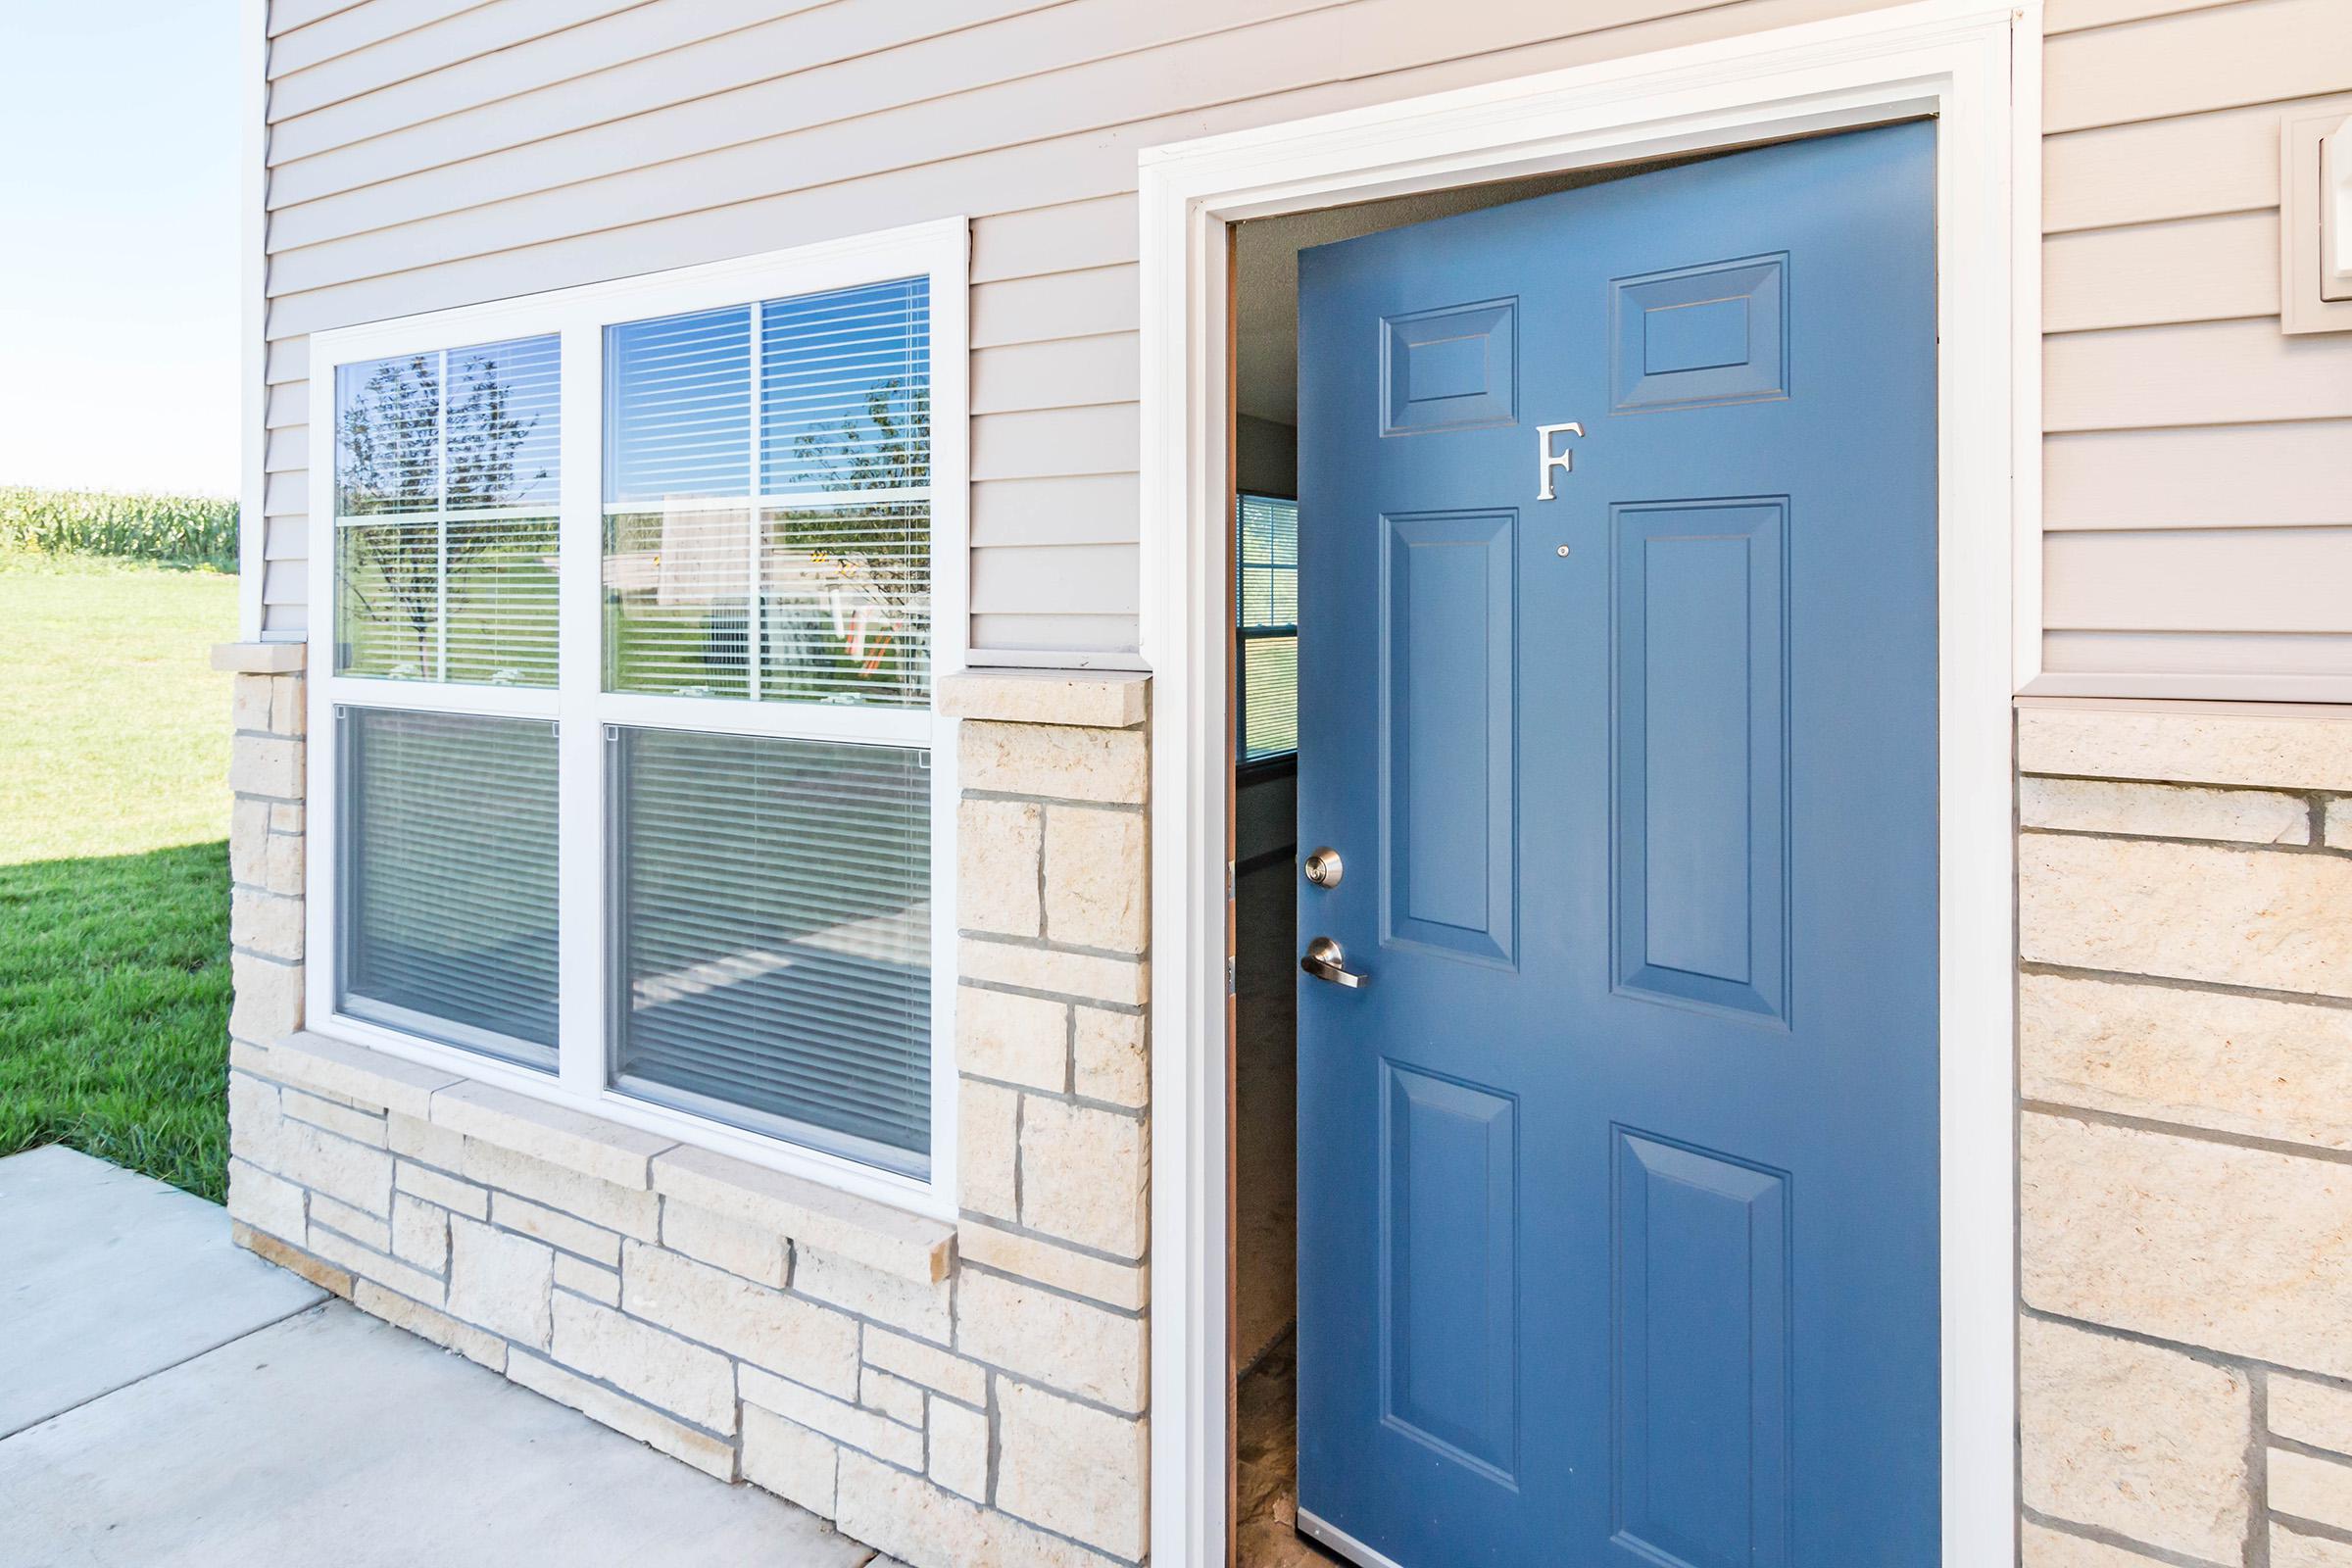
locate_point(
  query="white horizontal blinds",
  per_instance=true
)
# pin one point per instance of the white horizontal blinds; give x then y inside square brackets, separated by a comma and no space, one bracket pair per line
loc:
[447,878]
[767,512]
[445,492]
[771,934]
[1266,564]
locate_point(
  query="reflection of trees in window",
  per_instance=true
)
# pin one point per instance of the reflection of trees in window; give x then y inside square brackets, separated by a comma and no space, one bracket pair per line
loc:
[396,457]
[872,551]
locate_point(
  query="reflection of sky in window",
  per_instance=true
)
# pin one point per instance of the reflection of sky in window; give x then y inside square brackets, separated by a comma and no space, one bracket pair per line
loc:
[844,396]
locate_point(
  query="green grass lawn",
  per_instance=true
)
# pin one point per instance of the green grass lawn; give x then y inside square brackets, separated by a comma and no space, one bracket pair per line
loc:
[114,865]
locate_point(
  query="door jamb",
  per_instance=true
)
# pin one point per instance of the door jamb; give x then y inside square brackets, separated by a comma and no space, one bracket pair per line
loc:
[1978,69]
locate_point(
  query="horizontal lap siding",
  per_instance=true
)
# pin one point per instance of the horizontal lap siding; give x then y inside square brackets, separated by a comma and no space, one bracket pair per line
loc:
[429,153]
[2197,470]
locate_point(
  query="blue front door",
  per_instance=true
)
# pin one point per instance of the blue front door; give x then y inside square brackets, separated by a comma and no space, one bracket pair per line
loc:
[1618,1186]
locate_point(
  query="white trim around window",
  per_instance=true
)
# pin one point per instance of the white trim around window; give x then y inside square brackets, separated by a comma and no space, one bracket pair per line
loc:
[584,712]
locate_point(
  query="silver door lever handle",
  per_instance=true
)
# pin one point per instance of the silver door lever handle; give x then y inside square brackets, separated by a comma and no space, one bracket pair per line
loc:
[1326,961]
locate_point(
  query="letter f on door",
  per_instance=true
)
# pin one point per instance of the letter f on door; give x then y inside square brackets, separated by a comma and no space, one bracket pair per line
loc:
[1546,461]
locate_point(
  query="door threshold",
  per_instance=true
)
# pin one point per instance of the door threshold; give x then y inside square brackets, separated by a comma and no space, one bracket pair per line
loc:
[1326,1534]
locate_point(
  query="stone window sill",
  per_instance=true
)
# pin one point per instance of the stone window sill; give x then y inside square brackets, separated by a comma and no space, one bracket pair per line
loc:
[861,1229]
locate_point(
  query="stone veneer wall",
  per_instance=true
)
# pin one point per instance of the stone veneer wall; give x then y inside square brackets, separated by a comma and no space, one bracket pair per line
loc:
[961,1396]
[2186,1198]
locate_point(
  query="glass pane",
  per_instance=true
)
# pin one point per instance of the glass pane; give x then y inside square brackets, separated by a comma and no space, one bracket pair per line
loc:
[1266,541]
[676,586]
[846,391]
[505,423]
[678,398]
[502,600]
[388,600]
[1270,697]
[773,935]
[846,605]
[446,892]
[388,435]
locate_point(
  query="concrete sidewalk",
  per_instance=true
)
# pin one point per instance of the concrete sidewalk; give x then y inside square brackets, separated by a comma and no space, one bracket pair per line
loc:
[166,1400]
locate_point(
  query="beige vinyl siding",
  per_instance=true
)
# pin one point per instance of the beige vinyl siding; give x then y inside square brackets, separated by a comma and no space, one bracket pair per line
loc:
[2197,470]
[430,152]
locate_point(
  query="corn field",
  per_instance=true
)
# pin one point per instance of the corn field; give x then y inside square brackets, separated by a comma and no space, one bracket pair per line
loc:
[184,531]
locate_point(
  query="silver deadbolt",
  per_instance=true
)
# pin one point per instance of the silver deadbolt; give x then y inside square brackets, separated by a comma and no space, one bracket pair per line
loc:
[1323,867]
[1326,961]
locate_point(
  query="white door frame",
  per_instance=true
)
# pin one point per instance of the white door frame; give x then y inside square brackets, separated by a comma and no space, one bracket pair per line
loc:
[1978,69]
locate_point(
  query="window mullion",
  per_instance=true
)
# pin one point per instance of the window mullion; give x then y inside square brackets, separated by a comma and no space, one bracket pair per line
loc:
[579,662]
[754,613]
[441,524]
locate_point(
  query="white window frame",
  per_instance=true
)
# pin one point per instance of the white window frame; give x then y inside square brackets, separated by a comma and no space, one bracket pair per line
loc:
[939,251]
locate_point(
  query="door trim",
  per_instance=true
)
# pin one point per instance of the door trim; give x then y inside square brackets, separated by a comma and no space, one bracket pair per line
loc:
[1978,69]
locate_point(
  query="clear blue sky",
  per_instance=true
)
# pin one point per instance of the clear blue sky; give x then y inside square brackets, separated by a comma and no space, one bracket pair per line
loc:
[119,138]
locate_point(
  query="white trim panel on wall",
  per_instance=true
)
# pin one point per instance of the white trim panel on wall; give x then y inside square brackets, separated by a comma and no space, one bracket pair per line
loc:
[1975,69]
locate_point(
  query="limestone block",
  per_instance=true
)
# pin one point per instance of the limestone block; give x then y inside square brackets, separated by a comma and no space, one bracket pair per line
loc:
[2309,1488]
[288,1255]
[267,996]
[2141,1441]
[707,1453]
[248,840]
[555,1228]
[1098,878]
[751,1250]
[959,1459]
[2052,1548]
[500,1282]
[420,1233]
[345,1121]
[286,710]
[892,1396]
[367,1264]
[1081,977]
[366,1229]
[2339,825]
[2163,811]
[761,1325]
[1071,1468]
[2252,1065]
[249,703]
[267,923]
[988,1149]
[2295,1548]
[1022,1039]
[1087,1350]
[2250,917]
[631,1212]
[2304,1411]
[583,1278]
[843,1422]
[266,764]
[790,1460]
[1083,1174]
[926,1364]
[444,1191]
[2248,1251]
[1110,1057]
[341,1070]
[997,856]
[414,1138]
[348,1172]
[1056,761]
[925,1526]
[423,1321]
[1032,1258]
[572,1140]
[283,864]
[2186,747]
[1107,700]
[862,1229]
[918,1308]
[265,1201]
[684,1380]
